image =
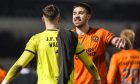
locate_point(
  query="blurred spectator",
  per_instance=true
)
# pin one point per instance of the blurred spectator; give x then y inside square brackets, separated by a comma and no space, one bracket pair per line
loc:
[125,64]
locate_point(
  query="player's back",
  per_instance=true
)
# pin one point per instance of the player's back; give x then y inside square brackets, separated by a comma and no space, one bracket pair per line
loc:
[129,66]
[46,47]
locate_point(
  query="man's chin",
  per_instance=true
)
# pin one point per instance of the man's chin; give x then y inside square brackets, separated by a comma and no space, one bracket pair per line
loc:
[78,26]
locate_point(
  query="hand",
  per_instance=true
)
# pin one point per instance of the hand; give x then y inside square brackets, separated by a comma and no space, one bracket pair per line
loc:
[97,82]
[118,42]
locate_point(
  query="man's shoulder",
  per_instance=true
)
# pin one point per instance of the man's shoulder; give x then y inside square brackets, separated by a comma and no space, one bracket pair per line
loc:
[40,33]
[97,30]
[118,53]
[37,35]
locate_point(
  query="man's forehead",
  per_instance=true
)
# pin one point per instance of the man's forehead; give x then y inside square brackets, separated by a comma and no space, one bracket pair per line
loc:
[79,9]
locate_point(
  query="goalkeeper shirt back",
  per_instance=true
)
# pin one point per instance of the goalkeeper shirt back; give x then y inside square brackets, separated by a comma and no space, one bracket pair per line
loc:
[45,46]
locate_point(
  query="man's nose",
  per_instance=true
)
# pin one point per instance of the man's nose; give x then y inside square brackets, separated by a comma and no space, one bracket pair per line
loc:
[77,16]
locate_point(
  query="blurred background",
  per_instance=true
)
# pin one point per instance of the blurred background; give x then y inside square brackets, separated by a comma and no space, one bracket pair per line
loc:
[20,19]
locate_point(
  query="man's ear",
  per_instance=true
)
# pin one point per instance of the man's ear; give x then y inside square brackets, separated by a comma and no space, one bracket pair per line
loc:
[58,18]
[88,16]
[43,19]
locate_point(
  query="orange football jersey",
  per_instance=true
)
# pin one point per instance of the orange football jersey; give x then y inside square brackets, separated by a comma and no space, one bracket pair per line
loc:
[94,42]
[125,67]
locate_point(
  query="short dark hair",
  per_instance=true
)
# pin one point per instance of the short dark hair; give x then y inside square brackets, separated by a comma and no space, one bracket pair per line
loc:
[51,11]
[84,5]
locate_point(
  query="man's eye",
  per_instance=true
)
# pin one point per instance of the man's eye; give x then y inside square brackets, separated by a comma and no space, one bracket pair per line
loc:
[81,12]
[74,13]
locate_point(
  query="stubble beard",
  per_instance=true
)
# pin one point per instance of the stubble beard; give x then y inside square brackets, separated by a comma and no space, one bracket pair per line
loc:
[80,26]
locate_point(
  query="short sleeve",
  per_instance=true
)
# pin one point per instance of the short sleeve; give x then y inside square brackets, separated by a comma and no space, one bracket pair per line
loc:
[31,45]
[107,36]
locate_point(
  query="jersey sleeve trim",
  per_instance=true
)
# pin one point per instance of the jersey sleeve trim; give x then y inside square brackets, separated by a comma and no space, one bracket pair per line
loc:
[30,51]
[111,40]
[80,52]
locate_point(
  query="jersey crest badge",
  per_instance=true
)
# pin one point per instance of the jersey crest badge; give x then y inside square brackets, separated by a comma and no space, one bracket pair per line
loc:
[95,38]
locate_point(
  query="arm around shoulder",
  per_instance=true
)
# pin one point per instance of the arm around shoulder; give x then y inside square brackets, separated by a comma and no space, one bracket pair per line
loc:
[89,65]
[83,56]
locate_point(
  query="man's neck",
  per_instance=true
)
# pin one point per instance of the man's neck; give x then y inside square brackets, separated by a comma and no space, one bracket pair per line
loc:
[82,30]
[51,26]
